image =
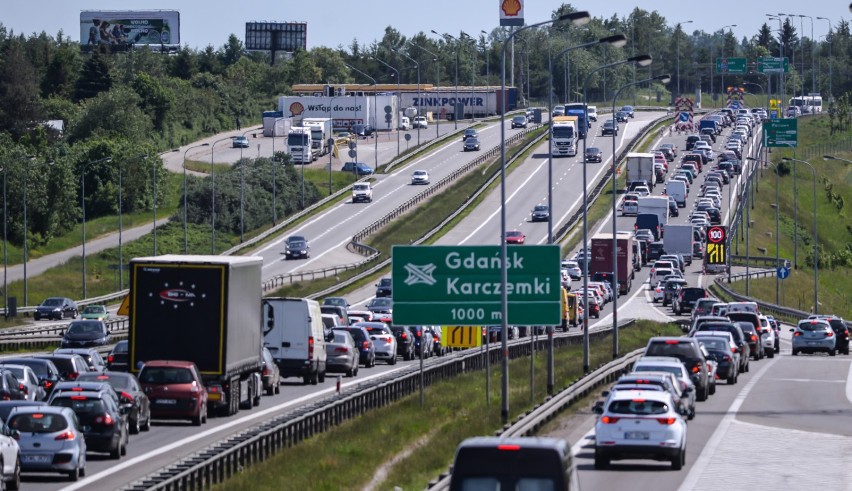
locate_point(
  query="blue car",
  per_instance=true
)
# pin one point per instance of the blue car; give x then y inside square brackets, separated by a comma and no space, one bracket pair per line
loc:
[358,168]
[813,335]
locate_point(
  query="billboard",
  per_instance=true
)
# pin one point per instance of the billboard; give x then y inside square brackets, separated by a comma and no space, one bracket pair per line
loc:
[276,36]
[124,28]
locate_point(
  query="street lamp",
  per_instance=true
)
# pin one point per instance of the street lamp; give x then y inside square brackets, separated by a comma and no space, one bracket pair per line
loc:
[398,100]
[437,88]
[416,65]
[638,60]
[120,245]
[455,103]
[724,89]
[830,60]
[242,181]
[665,78]
[274,181]
[816,241]
[577,18]
[29,159]
[832,157]
[375,109]
[677,42]
[213,196]
[83,205]
[777,240]
[185,241]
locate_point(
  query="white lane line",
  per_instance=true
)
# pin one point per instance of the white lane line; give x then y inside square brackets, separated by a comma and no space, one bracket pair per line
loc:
[204,434]
[849,384]
[712,445]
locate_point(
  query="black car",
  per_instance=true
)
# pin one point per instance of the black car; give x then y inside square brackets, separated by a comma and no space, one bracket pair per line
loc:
[404,342]
[686,299]
[594,154]
[47,373]
[86,334]
[296,247]
[621,116]
[719,350]
[841,331]
[130,395]
[688,351]
[366,350]
[117,359]
[383,287]
[540,213]
[11,389]
[655,250]
[690,141]
[91,355]
[673,209]
[56,308]
[753,338]
[471,144]
[724,324]
[103,422]
[69,366]
[610,127]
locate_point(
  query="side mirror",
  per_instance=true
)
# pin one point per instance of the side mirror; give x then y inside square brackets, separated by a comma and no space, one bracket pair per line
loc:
[598,408]
[792,329]
[605,393]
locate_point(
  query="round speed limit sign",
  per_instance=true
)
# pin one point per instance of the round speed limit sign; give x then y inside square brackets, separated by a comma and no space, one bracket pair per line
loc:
[716,235]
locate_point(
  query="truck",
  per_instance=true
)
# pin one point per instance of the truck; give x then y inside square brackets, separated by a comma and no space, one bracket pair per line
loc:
[203,309]
[299,145]
[640,167]
[679,239]
[321,131]
[658,205]
[583,124]
[564,136]
[602,258]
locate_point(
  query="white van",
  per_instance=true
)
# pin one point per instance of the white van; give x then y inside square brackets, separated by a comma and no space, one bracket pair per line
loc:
[295,335]
[593,113]
[677,190]
[404,123]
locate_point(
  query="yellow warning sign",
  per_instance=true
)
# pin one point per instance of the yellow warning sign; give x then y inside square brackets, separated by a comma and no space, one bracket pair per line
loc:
[124,309]
[461,336]
[716,254]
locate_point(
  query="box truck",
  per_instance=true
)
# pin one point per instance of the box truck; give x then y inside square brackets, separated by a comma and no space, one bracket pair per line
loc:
[321,131]
[658,205]
[564,136]
[679,239]
[640,167]
[602,258]
[203,309]
[299,145]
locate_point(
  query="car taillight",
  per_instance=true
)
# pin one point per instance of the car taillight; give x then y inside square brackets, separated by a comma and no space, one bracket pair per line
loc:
[829,334]
[734,349]
[404,336]
[797,333]
[65,435]
[608,420]
[417,334]
[666,421]
[24,389]
[110,358]
[106,419]
[753,337]
[265,371]
[696,368]
[73,376]
[366,345]
[127,397]
[341,349]
[310,347]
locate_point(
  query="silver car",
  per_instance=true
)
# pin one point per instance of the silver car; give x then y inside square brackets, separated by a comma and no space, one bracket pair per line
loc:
[812,335]
[27,377]
[50,440]
[383,340]
[342,354]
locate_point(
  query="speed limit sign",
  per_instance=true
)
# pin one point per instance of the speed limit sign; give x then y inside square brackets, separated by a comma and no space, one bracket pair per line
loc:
[717,241]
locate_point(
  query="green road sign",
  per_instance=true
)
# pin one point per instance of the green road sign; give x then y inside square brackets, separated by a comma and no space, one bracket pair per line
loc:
[461,285]
[781,132]
[731,66]
[773,64]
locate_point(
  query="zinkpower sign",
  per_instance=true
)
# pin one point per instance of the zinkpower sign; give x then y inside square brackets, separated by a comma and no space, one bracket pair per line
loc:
[462,285]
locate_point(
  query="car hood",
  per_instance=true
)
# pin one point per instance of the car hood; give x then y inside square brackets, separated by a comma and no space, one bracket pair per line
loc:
[48,308]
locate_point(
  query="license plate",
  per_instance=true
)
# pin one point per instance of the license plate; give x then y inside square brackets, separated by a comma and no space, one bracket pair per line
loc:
[636,435]
[35,459]
[813,342]
[166,401]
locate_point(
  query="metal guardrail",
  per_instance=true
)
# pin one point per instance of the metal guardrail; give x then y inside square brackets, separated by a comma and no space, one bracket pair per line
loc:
[220,461]
[37,338]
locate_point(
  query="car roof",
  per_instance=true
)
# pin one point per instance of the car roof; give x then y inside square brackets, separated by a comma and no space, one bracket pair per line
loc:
[656,360]
[652,395]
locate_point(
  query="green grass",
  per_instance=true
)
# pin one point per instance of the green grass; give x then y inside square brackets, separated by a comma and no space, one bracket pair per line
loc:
[834,225]
[346,457]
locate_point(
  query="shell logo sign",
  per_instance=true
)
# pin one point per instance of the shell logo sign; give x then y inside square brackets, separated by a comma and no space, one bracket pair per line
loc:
[511,12]
[296,108]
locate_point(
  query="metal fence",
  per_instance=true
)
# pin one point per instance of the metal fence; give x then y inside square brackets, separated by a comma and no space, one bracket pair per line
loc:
[39,338]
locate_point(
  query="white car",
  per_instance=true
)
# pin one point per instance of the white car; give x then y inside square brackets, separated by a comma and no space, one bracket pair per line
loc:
[705,148]
[362,191]
[419,177]
[674,366]
[640,423]
[658,294]
[642,191]
[420,122]
[630,207]
[767,336]
[383,340]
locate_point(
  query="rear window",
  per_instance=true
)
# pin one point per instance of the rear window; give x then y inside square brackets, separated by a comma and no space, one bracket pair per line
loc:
[693,293]
[679,350]
[165,375]
[357,334]
[80,404]
[837,324]
[676,371]
[116,381]
[816,326]
[38,423]
[714,344]
[638,407]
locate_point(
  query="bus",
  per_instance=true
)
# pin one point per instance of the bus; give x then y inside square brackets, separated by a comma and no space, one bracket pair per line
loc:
[809,104]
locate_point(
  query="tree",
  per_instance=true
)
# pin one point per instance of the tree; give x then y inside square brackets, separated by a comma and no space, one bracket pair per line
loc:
[232,51]
[94,79]
[114,113]
[157,100]
[62,73]
[18,91]
[184,65]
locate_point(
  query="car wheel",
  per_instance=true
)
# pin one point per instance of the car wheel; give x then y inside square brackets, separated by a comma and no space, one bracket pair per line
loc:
[321,377]
[747,367]
[392,361]
[680,460]
[713,388]
[204,415]
[270,390]
[601,462]
[832,352]
[15,482]
[116,454]
[795,352]
[702,396]
[198,420]
[306,379]
[355,372]
[771,353]
[846,351]
[124,449]
[147,425]
[731,380]
[134,426]
[315,378]
[74,475]
[691,414]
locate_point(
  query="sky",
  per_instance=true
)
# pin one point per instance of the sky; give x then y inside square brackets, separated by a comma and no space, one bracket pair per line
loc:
[338,22]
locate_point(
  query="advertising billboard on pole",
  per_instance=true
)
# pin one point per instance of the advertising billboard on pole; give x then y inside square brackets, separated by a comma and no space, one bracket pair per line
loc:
[121,29]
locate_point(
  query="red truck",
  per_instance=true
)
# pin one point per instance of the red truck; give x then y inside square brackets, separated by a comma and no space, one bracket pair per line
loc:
[602,258]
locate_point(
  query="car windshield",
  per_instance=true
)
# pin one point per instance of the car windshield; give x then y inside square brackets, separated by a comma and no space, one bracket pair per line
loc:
[540,208]
[38,423]
[659,368]
[674,349]
[385,282]
[117,381]
[85,327]
[381,301]
[812,326]
[80,404]
[714,344]
[52,302]
[637,406]
[165,375]
[513,233]
[95,309]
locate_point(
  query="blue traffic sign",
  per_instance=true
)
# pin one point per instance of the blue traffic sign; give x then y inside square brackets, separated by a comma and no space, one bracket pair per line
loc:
[783,272]
[684,117]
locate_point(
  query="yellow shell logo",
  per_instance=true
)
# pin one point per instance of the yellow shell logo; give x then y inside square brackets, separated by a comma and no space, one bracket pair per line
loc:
[511,7]
[296,108]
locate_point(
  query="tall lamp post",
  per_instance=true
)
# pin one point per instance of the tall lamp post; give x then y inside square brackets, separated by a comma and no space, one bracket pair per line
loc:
[417,66]
[213,196]
[437,87]
[458,46]
[242,180]
[640,61]
[398,99]
[185,241]
[777,239]
[120,206]
[677,43]
[816,240]
[830,60]
[274,181]
[83,205]
[29,160]
[5,248]
[375,111]
[577,18]
[724,89]
[665,78]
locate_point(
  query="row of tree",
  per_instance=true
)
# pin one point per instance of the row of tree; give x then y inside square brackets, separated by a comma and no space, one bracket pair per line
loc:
[127,104]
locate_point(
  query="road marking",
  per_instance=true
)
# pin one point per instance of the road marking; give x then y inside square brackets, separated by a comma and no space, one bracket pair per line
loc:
[712,445]
[849,384]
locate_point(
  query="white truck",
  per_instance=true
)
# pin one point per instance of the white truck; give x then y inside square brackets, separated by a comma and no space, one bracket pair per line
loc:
[679,240]
[362,192]
[658,205]
[321,131]
[299,145]
[564,136]
[640,167]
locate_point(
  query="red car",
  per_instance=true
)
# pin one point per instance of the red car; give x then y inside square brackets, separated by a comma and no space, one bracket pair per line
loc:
[175,390]
[515,237]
